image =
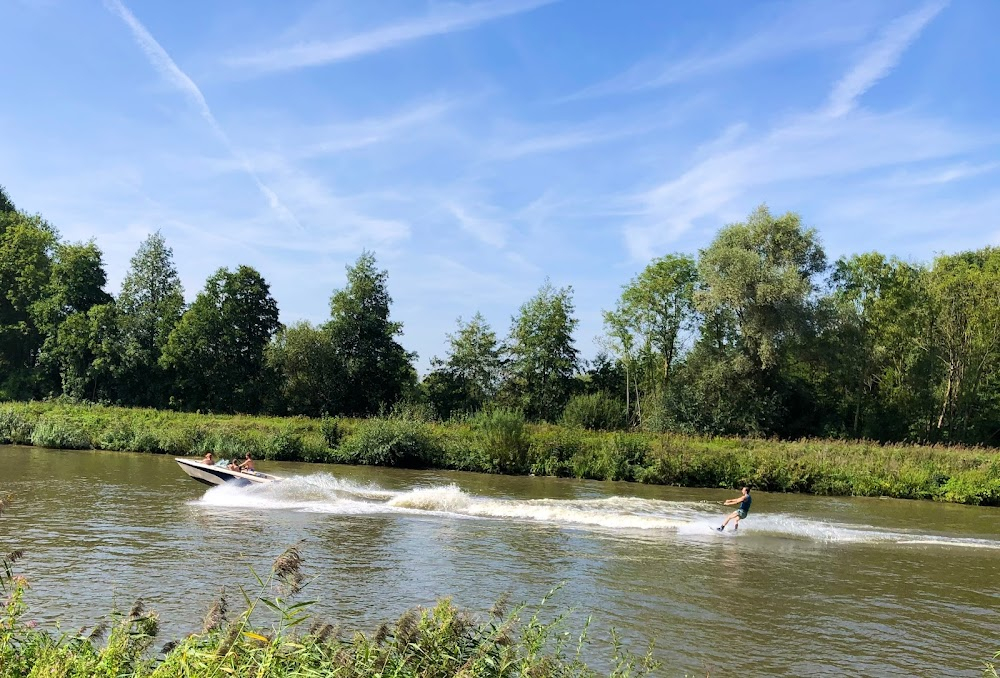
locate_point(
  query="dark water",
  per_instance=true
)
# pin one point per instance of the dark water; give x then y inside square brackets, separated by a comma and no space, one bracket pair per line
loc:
[809,586]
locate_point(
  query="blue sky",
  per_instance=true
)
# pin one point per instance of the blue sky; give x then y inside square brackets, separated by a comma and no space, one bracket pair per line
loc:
[478,147]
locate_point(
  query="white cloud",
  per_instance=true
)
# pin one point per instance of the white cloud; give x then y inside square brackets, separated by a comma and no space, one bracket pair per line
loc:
[489,231]
[449,18]
[881,58]
[807,26]
[946,174]
[838,140]
[167,68]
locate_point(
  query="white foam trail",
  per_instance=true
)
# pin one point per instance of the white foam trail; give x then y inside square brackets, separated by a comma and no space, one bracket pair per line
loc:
[324,493]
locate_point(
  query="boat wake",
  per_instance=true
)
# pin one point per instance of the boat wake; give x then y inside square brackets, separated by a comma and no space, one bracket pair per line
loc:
[324,493]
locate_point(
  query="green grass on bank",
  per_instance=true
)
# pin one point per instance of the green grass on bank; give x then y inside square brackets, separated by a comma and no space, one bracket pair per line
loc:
[500,441]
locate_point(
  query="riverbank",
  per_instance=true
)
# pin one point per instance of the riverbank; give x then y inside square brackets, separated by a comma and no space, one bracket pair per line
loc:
[501,442]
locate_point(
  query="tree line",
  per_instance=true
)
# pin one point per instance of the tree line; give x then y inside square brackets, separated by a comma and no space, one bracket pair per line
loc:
[756,335]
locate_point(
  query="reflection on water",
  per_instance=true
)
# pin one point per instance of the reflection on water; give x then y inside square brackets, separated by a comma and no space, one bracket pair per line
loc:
[819,586]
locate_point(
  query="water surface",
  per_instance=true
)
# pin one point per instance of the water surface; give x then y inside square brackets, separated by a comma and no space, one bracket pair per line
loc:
[808,586]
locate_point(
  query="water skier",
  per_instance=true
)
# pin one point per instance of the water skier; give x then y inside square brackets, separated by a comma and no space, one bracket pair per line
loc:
[744,501]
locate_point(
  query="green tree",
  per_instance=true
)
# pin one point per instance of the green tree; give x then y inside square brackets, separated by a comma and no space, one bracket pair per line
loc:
[470,374]
[879,370]
[376,368]
[964,292]
[85,350]
[6,204]
[215,354]
[27,244]
[75,286]
[308,370]
[760,274]
[543,357]
[646,327]
[758,300]
[149,307]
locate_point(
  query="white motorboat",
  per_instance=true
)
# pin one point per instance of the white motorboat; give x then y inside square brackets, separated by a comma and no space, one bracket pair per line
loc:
[213,474]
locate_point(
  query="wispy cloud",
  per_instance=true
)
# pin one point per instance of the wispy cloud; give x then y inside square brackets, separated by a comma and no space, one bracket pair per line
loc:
[881,58]
[837,140]
[449,18]
[167,68]
[939,176]
[808,27]
[294,142]
[485,229]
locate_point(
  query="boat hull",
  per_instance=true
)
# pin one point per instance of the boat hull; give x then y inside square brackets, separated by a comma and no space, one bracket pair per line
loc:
[219,475]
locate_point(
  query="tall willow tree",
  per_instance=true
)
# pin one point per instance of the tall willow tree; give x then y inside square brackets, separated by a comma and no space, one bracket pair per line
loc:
[757,295]
[759,275]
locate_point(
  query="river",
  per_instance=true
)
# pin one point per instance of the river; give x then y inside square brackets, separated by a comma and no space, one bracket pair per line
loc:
[807,586]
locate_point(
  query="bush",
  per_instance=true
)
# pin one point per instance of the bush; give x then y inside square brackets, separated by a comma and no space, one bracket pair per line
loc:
[58,434]
[285,445]
[553,447]
[502,440]
[623,456]
[181,441]
[146,441]
[333,432]
[390,442]
[596,412]
[15,427]
[228,445]
[118,437]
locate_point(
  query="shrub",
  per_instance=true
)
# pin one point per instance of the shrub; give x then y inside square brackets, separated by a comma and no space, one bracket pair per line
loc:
[622,456]
[63,435]
[596,412]
[284,445]
[333,432]
[553,447]
[15,427]
[389,442]
[502,439]
[179,441]
[118,437]
[146,441]
[228,445]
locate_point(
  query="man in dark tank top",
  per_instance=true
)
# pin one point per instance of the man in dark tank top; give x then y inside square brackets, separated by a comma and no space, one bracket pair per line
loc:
[744,501]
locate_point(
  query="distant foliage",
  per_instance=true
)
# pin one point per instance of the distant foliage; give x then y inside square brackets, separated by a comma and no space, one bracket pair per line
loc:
[333,431]
[502,439]
[59,433]
[595,411]
[15,427]
[389,442]
[623,456]
[284,445]
[757,334]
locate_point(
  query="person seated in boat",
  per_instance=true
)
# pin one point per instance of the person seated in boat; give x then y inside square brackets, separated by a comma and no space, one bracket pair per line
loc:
[247,464]
[233,466]
[208,460]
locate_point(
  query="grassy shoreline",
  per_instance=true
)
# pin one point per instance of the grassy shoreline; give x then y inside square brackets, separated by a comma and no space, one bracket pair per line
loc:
[501,442]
